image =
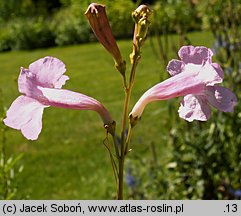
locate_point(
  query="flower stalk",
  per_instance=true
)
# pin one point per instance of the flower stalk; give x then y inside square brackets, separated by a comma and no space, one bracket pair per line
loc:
[140,16]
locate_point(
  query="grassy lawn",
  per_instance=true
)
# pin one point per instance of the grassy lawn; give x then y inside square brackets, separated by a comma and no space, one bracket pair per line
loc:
[69,160]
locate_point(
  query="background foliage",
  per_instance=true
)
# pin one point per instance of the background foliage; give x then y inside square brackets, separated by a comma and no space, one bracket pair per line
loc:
[45,23]
[27,24]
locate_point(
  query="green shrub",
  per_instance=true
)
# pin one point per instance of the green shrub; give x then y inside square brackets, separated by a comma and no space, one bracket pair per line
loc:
[31,34]
[5,39]
[29,27]
[176,16]
[73,29]
[119,14]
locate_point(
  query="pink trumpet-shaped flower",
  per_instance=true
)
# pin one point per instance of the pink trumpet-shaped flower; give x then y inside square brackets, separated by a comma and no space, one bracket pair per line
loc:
[194,77]
[41,87]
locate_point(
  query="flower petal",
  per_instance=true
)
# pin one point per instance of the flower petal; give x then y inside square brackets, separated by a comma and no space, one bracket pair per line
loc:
[61,81]
[209,74]
[27,83]
[48,71]
[180,85]
[221,98]
[22,87]
[175,67]
[73,100]
[194,108]
[195,55]
[197,59]
[25,114]
[218,69]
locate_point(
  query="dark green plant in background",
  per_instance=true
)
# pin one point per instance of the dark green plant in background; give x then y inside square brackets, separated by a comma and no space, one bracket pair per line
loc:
[74,29]
[223,142]
[38,24]
[61,22]
[177,17]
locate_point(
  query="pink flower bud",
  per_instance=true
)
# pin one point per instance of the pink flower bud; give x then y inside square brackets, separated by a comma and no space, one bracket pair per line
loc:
[99,23]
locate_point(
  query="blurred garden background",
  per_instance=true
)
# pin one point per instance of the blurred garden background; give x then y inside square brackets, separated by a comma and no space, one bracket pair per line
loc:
[170,158]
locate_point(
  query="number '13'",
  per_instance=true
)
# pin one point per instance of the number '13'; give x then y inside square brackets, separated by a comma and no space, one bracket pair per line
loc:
[232,208]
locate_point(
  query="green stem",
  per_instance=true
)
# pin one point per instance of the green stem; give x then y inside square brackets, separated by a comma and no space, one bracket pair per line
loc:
[116,146]
[124,142]
[113,163]
[128,139]
[121,179]
[122,153]
[124,83]
[136,59]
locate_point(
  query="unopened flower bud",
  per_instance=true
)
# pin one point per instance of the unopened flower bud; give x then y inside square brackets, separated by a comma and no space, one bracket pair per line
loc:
[141,17]
[99,23]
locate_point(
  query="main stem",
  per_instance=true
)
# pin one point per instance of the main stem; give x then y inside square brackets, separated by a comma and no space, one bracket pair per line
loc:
[124,144]
[122,153]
